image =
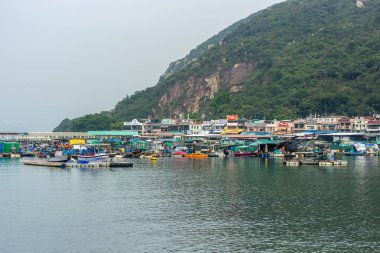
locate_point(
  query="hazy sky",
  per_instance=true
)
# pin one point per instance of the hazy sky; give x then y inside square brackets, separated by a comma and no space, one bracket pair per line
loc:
[66,58]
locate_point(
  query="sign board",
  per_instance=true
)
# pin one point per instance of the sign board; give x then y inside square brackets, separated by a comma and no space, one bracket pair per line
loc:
[232,117]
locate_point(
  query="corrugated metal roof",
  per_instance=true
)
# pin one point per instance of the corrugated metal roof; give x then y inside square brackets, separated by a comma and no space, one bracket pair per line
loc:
[113,133]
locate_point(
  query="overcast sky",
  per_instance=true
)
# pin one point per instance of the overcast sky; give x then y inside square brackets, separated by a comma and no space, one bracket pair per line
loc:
[66,58]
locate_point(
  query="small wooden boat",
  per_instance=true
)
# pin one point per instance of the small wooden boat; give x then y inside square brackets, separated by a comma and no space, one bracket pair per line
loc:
[43,163]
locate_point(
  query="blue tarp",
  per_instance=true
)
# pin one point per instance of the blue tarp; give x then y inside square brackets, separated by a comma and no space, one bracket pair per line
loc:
[256,133]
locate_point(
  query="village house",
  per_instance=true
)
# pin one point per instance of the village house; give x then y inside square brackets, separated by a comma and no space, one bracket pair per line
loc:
[373,128]
[359,124]
[299,125]
[344,125]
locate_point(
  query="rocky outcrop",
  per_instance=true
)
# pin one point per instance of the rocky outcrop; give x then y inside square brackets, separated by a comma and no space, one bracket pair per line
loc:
[360,3]
[192,95]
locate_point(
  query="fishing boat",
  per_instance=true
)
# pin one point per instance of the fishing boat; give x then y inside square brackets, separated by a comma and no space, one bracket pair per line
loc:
[44,163]
[245,154]
[93,158]
[244,151]
[59,157]
[352,149]
[94,153]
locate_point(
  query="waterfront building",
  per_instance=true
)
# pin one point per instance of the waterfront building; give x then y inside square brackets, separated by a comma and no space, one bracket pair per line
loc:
[299,126]
[359,124]
[134,125]
[373,128]
[170,125]
[214,126]
[330,123]
[195,128]
[344,125]
[284,126]
[218,126]
[256,126]
[311,126]
[270,126]
[234,125]
[152,126]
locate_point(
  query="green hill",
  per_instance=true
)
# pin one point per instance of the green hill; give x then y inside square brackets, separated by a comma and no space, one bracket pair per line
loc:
[290,60]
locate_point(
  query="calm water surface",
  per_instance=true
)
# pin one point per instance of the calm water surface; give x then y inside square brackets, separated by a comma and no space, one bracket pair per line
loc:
[182,205]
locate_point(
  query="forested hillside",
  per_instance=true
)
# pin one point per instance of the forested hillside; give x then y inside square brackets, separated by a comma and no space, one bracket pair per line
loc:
[290,60]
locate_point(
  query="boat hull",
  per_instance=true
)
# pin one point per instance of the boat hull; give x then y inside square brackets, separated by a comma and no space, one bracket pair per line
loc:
[44,163]
[92,159]
[247,154]
[196,156]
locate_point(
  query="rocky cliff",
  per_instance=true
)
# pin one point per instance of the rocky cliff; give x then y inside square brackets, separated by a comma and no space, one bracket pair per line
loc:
[193,94]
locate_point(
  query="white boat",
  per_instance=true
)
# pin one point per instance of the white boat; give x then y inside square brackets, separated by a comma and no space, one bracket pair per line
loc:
[93,158]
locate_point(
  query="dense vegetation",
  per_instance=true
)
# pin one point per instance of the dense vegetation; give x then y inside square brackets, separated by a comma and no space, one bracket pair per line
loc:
[310,56]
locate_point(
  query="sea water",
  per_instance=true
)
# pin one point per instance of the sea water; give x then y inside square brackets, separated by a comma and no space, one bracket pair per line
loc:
[184,205]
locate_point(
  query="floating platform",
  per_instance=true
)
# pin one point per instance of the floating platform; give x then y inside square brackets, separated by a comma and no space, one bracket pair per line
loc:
[333,163]
[309,162]
[7,155]
[293,163]
[113,164]
[316,162]
[120,164]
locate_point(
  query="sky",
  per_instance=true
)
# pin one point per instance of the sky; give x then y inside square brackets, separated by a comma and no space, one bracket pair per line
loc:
[67,58]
